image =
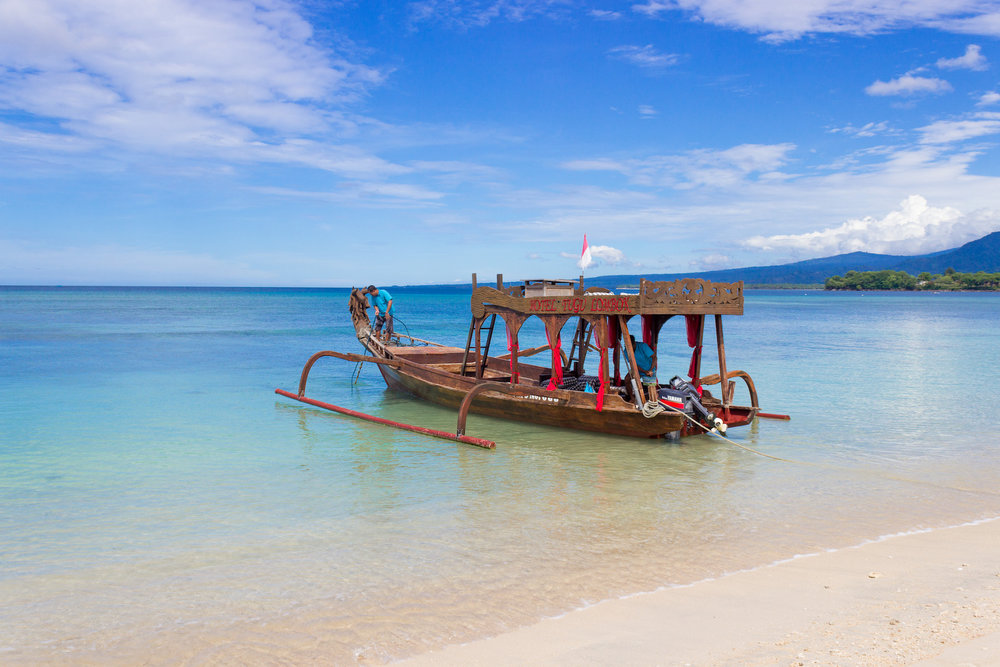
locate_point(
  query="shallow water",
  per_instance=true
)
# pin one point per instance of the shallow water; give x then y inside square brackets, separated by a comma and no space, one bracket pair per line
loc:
[158,502]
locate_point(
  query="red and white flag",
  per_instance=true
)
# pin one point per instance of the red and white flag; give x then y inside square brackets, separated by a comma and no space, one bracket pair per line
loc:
[586,259]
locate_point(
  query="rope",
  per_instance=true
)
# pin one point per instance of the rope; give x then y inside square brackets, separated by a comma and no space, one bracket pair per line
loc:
[356,375]
[396,319]
[652,408]
[896,478]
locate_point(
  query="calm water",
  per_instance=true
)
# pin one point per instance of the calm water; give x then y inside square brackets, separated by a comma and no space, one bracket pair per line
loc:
[158,502]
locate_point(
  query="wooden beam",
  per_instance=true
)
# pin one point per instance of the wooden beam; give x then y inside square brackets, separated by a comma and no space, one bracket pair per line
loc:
[630,351]
[726,397]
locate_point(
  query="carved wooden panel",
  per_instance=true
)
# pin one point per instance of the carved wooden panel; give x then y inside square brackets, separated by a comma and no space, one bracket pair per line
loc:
[690,296]
[687,296]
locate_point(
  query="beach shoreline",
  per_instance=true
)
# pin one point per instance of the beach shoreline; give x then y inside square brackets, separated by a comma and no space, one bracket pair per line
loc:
[928,597]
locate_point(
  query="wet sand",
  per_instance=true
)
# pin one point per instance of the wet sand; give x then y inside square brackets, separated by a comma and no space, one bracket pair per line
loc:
[930,598]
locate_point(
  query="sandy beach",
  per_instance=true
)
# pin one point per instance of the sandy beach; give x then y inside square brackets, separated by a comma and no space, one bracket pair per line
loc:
[929,598]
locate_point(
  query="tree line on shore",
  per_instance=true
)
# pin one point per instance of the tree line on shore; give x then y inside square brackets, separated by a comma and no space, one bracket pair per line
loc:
[950,280]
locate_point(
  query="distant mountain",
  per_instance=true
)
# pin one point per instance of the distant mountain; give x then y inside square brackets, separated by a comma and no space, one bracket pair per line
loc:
[979,255]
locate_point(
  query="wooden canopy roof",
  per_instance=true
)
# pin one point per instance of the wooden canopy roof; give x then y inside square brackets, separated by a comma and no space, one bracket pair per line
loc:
[687,296]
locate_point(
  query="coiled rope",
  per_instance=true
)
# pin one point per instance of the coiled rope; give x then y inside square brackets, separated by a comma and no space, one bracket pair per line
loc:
[652,408]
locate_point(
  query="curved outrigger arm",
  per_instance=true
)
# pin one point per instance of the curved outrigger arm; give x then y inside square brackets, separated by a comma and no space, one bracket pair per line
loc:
[346,356]
[727,388]
[496,387]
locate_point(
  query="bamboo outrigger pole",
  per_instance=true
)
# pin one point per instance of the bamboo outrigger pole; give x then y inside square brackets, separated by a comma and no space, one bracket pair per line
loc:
[467,439]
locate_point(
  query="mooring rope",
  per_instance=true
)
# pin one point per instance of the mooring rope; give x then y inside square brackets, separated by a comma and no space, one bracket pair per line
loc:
[896,478]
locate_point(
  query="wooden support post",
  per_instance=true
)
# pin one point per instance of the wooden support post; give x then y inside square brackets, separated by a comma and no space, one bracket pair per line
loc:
[603,336]
[513,362]
[489,341]
[468,345]
[725,384]
[500,281]
[630,351]
[513,321]
[479,351]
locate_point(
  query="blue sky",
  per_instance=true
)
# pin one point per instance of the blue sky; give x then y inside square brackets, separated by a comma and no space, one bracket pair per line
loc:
[326,143]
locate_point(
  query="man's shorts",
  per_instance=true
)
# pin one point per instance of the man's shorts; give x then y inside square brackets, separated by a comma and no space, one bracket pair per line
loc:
[383,319]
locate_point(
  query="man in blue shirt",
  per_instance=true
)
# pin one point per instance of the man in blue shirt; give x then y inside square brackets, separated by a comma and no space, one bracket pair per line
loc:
[645,359]
[382,301]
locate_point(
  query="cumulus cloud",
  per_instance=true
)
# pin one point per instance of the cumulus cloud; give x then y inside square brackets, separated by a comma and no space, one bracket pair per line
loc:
[909,85]
[605,254]
[699,168]
[646,57]
[972,59]
[914,228]
[779,22]
[600,254]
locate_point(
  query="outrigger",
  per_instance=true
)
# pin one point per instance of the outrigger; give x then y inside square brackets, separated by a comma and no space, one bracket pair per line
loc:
[561,393]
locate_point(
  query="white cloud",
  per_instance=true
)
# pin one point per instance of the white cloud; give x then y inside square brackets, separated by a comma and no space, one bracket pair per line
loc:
[806,200]
[647,57]
[600,255]
[605,15]
[466,14]
[374,194]
[949,131]
[779,22]
[181,78]
[699,168]
[988,99]
[914,228]
[909,85]
[867,130]
[712,261]
[647,111]
[972,59]
[605,254]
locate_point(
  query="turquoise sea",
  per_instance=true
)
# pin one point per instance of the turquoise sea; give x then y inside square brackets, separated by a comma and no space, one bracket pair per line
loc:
[160,504]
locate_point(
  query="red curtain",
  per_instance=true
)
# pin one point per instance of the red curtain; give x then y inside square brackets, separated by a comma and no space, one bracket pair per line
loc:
[694,323]
[603,343]
[557,368]
[614,336]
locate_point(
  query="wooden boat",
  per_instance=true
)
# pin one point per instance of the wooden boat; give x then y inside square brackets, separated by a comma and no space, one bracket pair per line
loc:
[555,393]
